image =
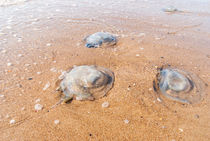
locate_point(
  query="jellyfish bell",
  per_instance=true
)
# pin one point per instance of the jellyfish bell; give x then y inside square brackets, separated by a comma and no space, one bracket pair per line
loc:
[180,85]
[100,39]
[174,80]
[86,83]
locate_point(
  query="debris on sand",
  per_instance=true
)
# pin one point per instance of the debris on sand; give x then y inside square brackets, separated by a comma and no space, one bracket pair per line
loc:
[12,121]
[1,95]
[3,51]
[159,100]
[20,55]
[53,69]
[56,121]
[37,100]
[47,85]
[48,44]
[38,107]
[126,121]
[38,73]
[105,104]
[181,130]
[9,64]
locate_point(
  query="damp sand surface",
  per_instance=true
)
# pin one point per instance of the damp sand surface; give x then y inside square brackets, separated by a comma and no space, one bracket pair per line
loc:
[41,39]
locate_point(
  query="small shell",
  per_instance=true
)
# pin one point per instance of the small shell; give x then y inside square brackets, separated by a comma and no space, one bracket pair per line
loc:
[180,86]
[87,82]
[100,38]
[105,104]
[12,121]
[38,107]
[56,121]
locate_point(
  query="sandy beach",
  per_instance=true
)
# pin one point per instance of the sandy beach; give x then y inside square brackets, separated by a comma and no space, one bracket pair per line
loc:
[41,39]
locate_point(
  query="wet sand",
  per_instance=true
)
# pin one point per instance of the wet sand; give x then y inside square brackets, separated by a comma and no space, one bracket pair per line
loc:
[39,40]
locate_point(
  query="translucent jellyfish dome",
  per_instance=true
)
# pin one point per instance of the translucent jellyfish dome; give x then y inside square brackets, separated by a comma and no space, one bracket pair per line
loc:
[87,82]
[100,39]
[180,85]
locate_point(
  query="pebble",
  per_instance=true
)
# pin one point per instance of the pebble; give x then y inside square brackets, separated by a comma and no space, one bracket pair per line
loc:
[37,100]
[19,85]
[30,78]
[142,34]
[126,121]
[181,130]
[48,44]
[7,116]
[3,51]
[38,107]
[19,40]
[56,121]
[105,104]
[78,98]
[38,73]
[20,55]
[27,65]
[159,100]
[46,86]
[12,121]
[9,64]
[197,116]
[53,70]
[137,55]
[1,95]
[23,108]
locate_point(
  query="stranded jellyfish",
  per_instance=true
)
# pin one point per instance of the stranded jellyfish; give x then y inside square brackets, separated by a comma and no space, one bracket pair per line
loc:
[100,39]
[170,9]
[179,85]
[86,83]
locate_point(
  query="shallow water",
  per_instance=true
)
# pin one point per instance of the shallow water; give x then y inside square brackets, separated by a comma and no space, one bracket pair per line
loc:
[11,2]
[41,39]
